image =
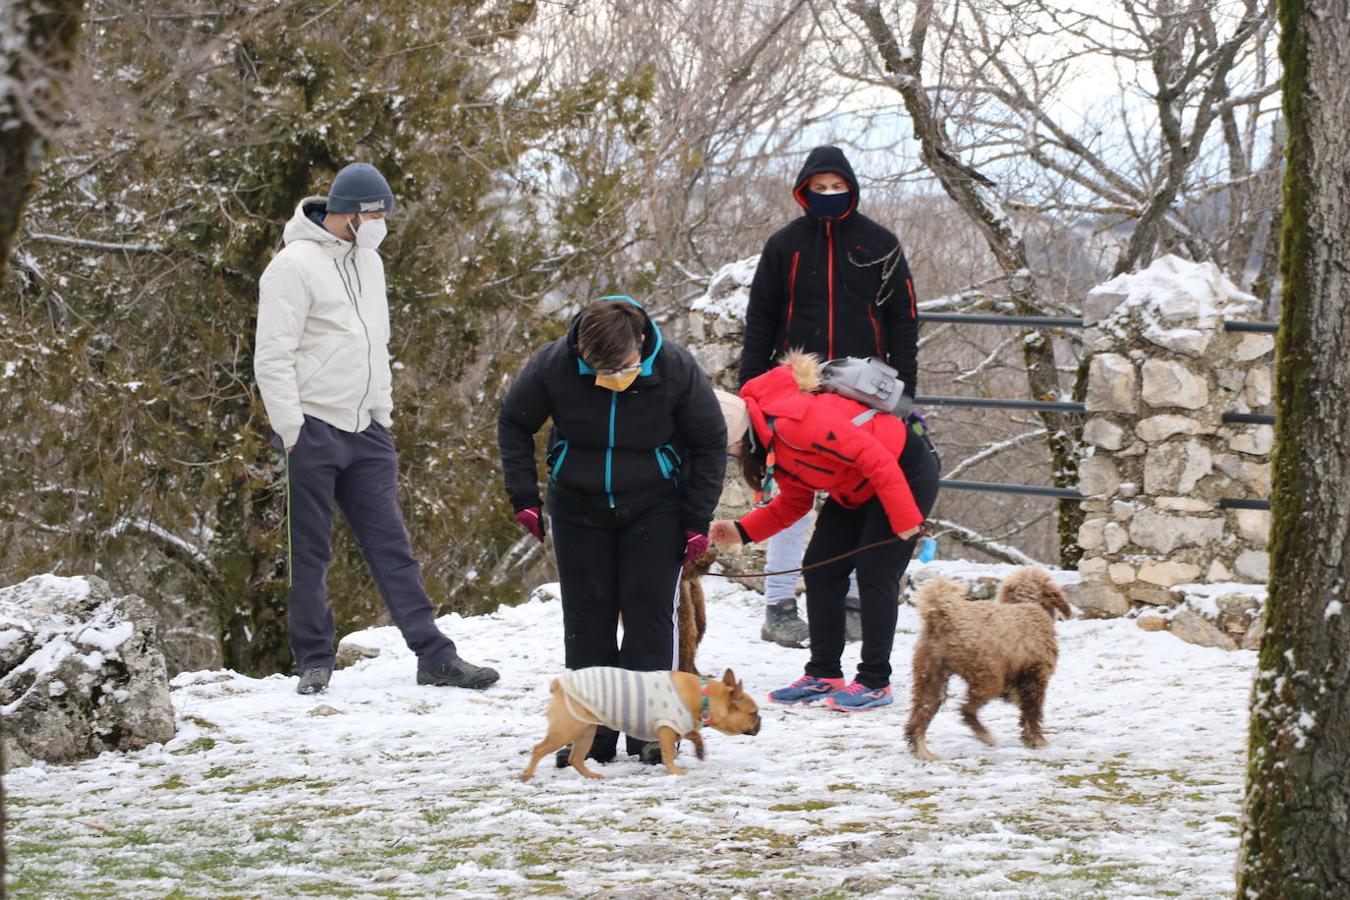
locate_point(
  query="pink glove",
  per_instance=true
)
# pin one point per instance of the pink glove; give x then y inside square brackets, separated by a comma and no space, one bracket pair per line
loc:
[695,546]
[531,521]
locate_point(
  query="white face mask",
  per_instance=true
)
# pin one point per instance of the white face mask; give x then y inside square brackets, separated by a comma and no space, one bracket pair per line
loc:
[370,233]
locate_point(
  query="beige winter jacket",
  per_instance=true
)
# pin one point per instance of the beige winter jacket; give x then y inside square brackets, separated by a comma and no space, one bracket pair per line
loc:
[323,332]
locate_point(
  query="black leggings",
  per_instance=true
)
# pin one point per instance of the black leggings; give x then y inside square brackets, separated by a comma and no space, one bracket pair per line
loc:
[839,530]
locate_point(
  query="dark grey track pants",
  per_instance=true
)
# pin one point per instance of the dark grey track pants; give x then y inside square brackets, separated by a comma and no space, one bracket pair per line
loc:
[360,472]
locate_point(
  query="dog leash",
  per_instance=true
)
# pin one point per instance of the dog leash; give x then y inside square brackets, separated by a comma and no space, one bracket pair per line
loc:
[814,565]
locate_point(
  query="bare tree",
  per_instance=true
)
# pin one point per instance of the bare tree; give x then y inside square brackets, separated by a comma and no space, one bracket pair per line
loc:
[1296,842]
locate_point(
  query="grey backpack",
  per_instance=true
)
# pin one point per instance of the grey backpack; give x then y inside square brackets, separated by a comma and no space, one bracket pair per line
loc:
[868,381]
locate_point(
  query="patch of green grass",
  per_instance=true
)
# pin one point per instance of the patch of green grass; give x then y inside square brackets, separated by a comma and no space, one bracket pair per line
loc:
[768,836]
[218,772]
[803,806]
[172,783]
[276,782]
[197,745]
[843,787]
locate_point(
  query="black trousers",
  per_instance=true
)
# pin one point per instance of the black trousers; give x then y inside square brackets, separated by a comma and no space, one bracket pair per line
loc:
[839,530]
[358,472]
[611,562]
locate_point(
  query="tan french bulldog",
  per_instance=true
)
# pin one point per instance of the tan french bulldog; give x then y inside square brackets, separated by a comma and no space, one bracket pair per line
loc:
[661,706]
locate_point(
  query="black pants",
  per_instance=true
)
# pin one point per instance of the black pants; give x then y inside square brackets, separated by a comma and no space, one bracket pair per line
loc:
[612,562]
[360,472]
[839,530]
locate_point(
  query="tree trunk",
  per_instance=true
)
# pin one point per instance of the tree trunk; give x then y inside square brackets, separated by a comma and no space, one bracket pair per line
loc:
[37,46]
[1296,841]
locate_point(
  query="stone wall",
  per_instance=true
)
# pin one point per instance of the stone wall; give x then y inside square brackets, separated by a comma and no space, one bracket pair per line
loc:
[1157,457]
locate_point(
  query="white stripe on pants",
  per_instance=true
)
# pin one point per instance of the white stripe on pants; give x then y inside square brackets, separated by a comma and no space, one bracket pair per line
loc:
[785,551]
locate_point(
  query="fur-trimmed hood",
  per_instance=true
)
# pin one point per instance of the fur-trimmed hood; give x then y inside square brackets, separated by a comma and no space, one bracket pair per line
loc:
[782,392]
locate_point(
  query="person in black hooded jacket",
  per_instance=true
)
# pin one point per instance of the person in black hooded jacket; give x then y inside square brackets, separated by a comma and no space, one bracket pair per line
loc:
[635,461]
[834,283]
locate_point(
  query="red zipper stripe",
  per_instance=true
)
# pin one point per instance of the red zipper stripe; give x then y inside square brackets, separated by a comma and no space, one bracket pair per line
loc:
[913,304]
[792,298]
[876,330]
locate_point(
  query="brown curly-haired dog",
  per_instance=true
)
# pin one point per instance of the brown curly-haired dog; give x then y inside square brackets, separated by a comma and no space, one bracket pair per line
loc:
[1003,650]
[693,616]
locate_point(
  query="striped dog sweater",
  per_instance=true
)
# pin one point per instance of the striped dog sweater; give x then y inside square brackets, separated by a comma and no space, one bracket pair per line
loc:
[636,703]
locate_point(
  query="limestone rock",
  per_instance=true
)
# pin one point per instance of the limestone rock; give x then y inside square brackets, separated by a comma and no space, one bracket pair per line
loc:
[1115,536]
[1182,504]
[1096,600]
[1104,433]
[1253,346]
[1194,628]
[1161,427]
[1258,391]
[1257,441]
[1112,384]
[1176,468]
[1151,620]
[352,649]
[82,672]
[1237,612]
[1166,574]
[1186,341]
[1218,573]
[1092,568]
[1253,565]
[1121,511]
[1090,534]
[1120,573]
[1252,639]
[1253,525]
[1168,383]
[1101,302]
[1159,531]
[1098,477]
[1142,592]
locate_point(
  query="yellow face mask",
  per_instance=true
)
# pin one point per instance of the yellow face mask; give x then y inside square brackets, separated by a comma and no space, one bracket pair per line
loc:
[617,380]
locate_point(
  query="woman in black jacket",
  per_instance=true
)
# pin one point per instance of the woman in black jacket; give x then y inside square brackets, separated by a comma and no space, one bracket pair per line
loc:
[635,462]
[834,283]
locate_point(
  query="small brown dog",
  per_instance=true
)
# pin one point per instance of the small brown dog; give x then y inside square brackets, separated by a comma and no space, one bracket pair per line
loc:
[664,706]
[1005,650]
[693,618]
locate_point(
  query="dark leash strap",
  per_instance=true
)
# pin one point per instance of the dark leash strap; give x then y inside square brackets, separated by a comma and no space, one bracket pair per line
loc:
[815,565]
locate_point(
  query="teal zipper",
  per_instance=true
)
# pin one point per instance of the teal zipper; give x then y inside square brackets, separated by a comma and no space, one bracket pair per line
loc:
[609,451]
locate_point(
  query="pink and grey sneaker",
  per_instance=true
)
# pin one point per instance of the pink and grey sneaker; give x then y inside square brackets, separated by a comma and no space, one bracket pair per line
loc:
[858,697]
[806,689]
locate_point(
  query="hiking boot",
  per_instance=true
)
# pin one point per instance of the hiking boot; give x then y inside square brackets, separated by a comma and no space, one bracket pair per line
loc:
[314,680]
[458,673]
[858,696]
[852,620]
[563,758]
[806,689]
[783,626]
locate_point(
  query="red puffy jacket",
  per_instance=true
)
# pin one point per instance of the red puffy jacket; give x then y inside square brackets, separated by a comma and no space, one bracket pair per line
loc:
[817,447]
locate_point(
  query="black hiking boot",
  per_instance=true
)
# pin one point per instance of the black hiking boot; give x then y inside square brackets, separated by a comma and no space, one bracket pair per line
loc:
[563,758]
[458,673]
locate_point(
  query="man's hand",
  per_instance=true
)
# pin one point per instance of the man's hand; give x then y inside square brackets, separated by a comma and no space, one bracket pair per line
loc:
[724,533]
[906,535]
[531,520]
[695,545]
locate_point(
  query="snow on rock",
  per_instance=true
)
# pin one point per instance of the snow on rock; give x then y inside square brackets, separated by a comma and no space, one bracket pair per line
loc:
[380,787]
[1170,291]
[80,671]
[728,292]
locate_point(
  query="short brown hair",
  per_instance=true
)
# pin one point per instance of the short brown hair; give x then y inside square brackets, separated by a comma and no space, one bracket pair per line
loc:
[610,331]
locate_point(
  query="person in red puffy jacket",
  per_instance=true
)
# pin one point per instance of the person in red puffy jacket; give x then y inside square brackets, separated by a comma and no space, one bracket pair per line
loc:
[881,474]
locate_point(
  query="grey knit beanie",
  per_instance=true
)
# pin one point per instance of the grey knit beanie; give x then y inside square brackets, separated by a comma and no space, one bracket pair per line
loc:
[360,188]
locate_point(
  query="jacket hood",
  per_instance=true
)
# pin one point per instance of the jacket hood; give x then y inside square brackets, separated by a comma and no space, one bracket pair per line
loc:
[651,339]
[303,228]
[782,392]
[821,160]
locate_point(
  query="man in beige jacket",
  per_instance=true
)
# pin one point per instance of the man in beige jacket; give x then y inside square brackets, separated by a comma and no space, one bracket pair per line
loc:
[321,360]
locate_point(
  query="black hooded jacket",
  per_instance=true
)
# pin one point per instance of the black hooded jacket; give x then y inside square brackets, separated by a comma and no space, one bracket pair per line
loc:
[662,435]
[833,287]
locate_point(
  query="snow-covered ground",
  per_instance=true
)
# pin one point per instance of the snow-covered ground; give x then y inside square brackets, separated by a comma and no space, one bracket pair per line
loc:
[381,788]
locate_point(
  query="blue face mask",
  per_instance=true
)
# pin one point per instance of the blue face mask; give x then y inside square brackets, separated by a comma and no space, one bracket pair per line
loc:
[830,206]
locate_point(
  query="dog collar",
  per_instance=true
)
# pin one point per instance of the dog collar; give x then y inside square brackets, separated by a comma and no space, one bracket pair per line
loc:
[703,707]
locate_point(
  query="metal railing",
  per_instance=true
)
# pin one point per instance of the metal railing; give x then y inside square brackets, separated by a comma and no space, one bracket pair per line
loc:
[1072,494]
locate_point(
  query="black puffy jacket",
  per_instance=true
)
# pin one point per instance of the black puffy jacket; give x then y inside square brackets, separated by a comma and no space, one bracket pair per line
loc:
[833,287]
[664,434]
